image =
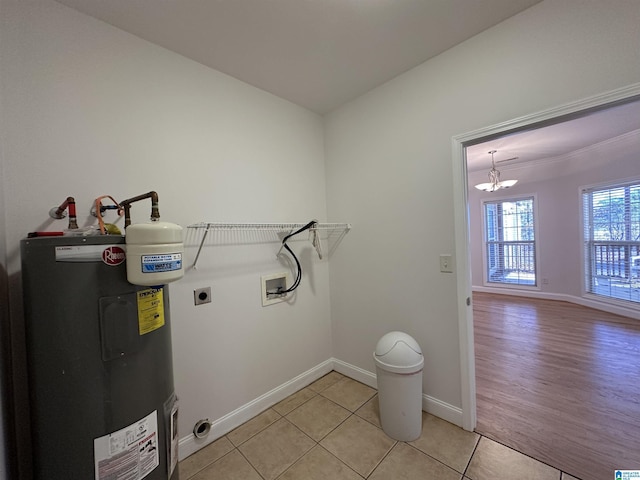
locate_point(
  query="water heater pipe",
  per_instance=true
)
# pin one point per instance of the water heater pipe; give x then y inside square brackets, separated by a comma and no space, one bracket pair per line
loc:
[99,208]
[126,204]
[58,213]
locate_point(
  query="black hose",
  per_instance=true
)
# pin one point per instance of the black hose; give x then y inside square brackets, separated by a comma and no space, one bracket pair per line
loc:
[296,282]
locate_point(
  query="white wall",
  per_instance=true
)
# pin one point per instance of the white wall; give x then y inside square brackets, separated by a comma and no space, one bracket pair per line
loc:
[5,331]
[556,184]
[5,372]
[91,110]
[389,166]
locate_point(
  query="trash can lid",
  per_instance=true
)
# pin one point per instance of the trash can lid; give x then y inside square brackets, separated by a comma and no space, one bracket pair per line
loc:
[398,352]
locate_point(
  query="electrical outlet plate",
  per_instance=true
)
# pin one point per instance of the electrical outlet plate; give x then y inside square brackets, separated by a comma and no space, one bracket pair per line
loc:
[272,283]
[202,296]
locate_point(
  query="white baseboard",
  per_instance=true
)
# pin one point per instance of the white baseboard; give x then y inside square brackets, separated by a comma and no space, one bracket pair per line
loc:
[442,410]
[356,373]
[618,310]
[429,404]
[190,444]
[563,297]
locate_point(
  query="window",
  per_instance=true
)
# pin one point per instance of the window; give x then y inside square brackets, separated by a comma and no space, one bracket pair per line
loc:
[612,241]
[510,248]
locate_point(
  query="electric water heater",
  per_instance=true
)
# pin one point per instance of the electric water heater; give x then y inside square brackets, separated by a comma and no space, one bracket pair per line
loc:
[102,401]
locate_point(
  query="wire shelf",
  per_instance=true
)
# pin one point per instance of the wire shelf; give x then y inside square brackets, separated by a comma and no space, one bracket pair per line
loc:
[342,228]
[275,227]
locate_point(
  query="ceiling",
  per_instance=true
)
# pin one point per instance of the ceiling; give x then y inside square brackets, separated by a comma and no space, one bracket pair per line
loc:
[318,54]
[557,139]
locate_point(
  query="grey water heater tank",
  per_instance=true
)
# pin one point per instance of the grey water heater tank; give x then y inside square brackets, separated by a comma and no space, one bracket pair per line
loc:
[102,401]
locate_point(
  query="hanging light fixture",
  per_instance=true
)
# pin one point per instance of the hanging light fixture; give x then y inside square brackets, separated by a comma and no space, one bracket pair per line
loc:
[494,178]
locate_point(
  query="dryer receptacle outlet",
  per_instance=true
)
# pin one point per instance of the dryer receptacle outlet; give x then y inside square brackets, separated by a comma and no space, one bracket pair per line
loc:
[202,296]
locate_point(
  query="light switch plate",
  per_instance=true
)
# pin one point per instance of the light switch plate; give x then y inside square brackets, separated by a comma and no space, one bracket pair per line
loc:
[446,263]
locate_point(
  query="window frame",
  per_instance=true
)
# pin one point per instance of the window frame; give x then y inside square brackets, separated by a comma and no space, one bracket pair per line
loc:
[485,277]
[586,277]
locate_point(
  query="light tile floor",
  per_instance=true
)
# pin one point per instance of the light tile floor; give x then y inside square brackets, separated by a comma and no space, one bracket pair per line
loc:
[331,430]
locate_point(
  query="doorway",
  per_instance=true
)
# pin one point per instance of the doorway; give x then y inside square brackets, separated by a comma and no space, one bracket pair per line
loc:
[460,144]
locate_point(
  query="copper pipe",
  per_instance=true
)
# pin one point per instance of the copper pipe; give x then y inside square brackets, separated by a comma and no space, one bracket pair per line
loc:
[59,213]
[155,212]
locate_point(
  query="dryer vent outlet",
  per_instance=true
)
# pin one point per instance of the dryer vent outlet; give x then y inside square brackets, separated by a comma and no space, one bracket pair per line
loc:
[202,428]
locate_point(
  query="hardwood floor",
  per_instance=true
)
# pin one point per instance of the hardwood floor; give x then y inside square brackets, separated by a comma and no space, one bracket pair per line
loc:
[559,382]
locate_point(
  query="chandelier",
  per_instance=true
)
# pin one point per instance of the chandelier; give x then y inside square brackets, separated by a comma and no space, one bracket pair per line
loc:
[494,182]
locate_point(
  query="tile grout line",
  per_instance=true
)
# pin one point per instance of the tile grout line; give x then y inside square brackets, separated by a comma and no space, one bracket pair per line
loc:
[475,448]
[522,453]
[236,447]
[315,394]
[383,457]
[408,444]
[339,460]
[251,464]
[316,444]
[351,414]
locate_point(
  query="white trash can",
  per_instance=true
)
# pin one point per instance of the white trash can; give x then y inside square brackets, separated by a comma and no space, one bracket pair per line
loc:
[399,362]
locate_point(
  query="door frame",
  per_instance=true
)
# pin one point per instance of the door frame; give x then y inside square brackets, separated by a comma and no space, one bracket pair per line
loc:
[461,217]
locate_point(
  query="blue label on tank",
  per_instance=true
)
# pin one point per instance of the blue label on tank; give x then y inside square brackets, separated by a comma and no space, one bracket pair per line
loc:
[161,263]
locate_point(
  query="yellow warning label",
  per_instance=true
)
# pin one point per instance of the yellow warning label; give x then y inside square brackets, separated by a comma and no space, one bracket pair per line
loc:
[150,310]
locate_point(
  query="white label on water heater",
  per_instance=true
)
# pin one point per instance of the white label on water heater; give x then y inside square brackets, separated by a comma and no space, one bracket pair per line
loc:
[130,453]
[85,253]
[161,263]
